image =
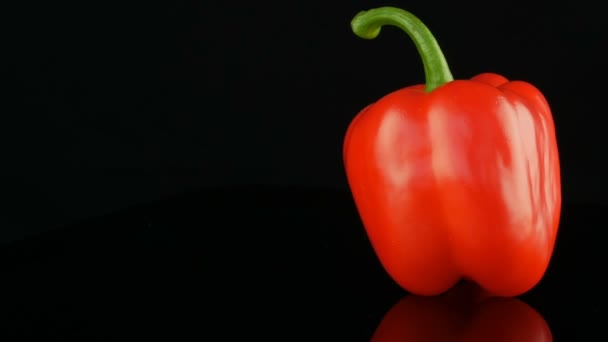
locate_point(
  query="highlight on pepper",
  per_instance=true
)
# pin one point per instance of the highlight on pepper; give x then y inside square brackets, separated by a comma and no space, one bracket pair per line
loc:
[455,178]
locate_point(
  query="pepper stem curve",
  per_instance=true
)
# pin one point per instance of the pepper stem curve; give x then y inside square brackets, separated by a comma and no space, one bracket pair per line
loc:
[367,25]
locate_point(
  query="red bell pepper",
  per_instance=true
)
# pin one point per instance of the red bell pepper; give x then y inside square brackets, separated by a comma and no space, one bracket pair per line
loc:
[463,314]
[455,179]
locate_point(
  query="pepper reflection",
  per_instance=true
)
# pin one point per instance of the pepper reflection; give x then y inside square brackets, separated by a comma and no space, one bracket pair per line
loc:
[465,314]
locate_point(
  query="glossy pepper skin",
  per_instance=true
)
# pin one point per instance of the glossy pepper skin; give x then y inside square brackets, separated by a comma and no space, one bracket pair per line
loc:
[455,179]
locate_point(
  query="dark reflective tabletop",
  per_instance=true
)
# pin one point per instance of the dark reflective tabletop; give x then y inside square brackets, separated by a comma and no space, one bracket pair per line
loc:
[279,263]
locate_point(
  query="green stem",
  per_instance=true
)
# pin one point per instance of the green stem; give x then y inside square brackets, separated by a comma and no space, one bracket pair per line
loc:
[367,25]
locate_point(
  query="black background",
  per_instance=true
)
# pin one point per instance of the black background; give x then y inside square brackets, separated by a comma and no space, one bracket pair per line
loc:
[109,105]
[191,121]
